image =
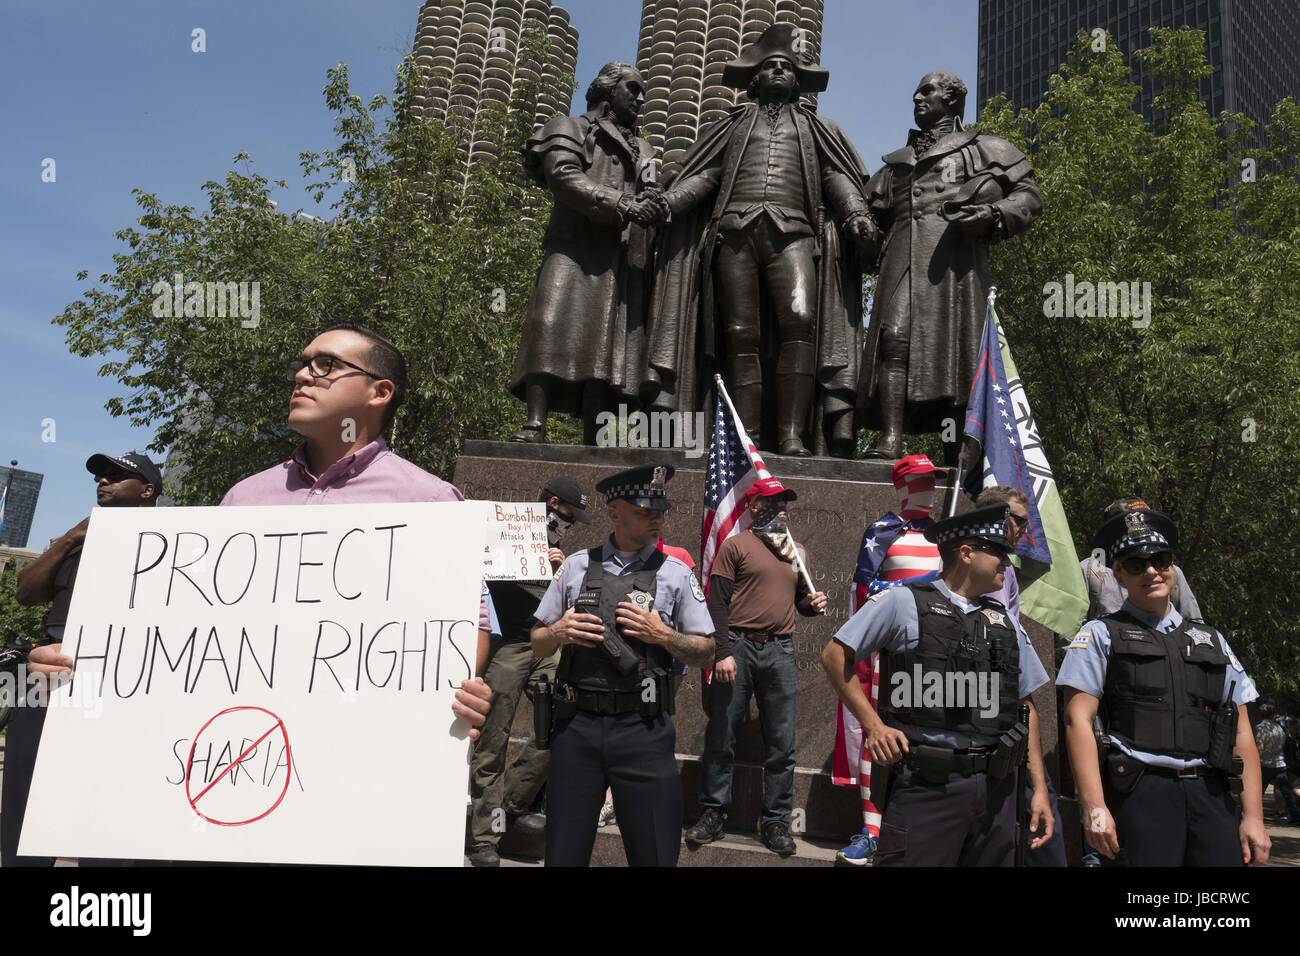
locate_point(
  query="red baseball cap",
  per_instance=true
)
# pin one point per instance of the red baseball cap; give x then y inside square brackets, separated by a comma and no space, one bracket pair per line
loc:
[914,465]
[770,488]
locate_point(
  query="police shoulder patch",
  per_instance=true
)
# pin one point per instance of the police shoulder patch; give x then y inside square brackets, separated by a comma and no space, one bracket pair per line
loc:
[559,573]
[695,588]
[879,595]
[1080,641]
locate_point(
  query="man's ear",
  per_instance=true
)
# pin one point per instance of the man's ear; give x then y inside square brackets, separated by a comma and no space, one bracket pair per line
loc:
[148,493]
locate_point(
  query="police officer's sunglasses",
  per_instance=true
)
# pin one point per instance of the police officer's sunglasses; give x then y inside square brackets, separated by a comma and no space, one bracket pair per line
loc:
[322,365]
[1161,561]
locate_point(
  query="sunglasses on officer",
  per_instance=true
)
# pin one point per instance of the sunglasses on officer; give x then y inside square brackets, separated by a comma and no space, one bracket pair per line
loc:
[1161,561]
[987,547]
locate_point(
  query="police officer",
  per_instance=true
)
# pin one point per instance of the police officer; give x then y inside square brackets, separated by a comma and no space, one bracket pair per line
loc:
[620,613]
[1172,700]
[955,670]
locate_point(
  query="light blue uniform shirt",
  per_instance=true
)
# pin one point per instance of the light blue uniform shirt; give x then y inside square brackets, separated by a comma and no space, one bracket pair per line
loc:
[1084,668]
[888,622]
[678,597]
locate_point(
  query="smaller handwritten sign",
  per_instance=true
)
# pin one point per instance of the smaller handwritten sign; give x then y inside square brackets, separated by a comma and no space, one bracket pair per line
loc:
[516,542]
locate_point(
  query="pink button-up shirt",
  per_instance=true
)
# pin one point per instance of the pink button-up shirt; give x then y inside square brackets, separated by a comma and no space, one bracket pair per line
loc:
[372,475]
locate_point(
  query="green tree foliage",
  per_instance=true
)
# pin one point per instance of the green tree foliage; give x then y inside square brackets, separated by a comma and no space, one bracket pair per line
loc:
[1199,411]
[437,256]
[18,624]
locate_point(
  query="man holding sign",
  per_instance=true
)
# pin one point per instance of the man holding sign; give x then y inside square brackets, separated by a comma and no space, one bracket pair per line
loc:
[348,385]
[348,382]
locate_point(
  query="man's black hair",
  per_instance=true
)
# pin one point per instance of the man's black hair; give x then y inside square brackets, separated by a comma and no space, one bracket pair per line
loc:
[385,360]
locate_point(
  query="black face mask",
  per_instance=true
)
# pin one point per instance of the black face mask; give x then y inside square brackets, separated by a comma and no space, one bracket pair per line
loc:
[556,525]
[770,519]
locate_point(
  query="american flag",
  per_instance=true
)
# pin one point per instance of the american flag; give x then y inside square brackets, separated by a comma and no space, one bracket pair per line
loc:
[734,466]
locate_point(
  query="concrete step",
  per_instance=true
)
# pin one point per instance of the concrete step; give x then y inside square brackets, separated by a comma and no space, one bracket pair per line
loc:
[734,849]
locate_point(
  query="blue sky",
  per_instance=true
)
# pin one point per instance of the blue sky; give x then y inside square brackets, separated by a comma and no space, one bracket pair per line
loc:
[113,93]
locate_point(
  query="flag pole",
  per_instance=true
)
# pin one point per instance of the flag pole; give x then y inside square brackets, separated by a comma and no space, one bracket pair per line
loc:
[961,457]
[798,560]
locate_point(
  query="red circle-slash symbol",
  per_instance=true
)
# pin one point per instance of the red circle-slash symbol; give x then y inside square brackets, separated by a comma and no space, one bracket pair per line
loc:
[194,799]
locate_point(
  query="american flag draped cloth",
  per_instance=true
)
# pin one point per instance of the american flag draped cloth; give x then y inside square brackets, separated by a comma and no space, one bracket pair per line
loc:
[734,465]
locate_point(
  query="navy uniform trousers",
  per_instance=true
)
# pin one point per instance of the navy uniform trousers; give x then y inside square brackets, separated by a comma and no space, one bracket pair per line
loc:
[1168,821]
[968,821]
[635,756]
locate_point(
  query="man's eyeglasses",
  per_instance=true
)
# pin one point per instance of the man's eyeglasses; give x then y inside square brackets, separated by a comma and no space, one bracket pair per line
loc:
[1020,522]
[319,366]
[1161,561]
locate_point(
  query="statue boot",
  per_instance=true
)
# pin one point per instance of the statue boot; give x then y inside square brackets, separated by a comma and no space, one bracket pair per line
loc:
[534,430]
[745,386]
[795,383]
[891,395]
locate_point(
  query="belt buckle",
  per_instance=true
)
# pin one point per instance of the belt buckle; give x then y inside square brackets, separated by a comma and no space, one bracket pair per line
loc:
[1188,773]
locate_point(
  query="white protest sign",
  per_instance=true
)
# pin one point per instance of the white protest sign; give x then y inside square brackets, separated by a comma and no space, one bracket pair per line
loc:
[299,662]
[516,542]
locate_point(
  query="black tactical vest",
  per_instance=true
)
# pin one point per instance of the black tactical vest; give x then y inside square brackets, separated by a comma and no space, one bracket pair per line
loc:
[592,668]
[1161,689]
[957,647]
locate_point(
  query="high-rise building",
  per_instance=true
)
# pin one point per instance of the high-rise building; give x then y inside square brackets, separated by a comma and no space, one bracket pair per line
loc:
[470,51]
[1253,46]
[683,47]
[20,489]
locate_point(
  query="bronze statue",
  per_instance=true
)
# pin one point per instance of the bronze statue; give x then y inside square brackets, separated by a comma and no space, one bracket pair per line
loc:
[757,273]
[940,202]
[581,351]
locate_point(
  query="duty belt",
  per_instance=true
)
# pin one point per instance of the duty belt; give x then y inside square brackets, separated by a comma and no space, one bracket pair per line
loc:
[606,703]
[937,760]
[1184,773]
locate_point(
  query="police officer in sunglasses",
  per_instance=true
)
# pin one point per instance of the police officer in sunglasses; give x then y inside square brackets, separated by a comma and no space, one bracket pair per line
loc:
[1156,788]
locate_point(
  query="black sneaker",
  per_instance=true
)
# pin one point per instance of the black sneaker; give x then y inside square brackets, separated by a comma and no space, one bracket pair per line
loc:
[706,829]
[533,824]
[776,837]
[485,854]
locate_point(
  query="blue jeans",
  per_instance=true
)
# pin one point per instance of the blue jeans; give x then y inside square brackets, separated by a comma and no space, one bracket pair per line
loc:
[1277,776]
[767,672]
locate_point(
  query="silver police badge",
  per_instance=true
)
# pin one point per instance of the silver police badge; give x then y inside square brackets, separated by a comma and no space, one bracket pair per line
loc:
[1199,636]
[995,618]
[1135,522]
[641,600]
[659,477]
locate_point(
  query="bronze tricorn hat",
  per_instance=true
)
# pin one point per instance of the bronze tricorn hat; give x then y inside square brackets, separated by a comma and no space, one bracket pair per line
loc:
[777,40]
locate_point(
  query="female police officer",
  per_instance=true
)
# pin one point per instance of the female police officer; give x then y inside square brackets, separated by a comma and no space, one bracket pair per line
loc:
[1169,692]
